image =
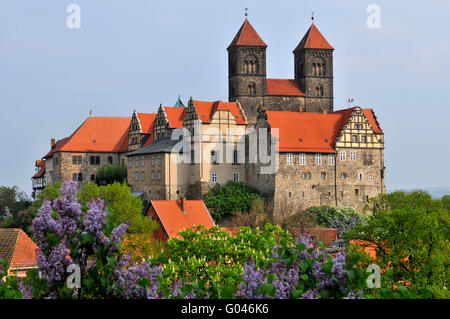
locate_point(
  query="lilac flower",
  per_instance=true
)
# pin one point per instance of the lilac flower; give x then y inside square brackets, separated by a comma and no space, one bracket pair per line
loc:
[95,218]
[310,294]
[26,290]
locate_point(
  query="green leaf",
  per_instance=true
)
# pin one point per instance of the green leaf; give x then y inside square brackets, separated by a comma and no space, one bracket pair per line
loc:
[304,277]
[88,238]
[112,260]
[227,292]
[144,282]
[350,275]
[266,289]
[322,245]
[88,283]
[326,267]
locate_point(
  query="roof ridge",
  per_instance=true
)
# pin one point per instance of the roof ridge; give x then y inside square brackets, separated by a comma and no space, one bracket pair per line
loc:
[248,36]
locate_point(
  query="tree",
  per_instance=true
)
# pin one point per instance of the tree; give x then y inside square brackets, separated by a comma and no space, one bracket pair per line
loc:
[226,200]
[110,174]
[12,201]
[127,208]
[342,218]
[411,232]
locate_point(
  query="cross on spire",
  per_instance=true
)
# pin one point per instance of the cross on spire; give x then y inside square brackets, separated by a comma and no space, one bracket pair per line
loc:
[246,13]
[312,17]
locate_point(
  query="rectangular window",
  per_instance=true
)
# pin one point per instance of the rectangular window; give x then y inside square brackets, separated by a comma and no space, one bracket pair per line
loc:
[323,175]
[159,175]
[76,159]
[343,156]
[353,156]
[213,157]
[136,176]
[236,177]
[318,159]
[136,161]
[343,175]
[92,177]
[302,159]
[330,159]
[142,176]
[130,162]
[214,177]
[153,175]
[153,160]
[94,160]
[370,177]
[192,178]
[159,160]
[360,176]
[364,139]
[235,157]
[110,160]
[354,138]
[143,161]
[356,192]
[289,158]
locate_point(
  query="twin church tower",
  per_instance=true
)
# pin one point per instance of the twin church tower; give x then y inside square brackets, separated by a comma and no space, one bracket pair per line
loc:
[310,91]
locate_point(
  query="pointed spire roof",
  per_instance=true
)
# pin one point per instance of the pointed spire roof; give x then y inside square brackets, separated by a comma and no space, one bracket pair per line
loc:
[179,103]
[247,36]
[313,39]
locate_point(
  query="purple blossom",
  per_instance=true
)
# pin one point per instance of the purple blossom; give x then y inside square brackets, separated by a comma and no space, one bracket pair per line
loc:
[310,294]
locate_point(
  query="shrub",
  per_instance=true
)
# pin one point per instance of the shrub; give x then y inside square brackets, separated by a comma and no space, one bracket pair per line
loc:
[226,200]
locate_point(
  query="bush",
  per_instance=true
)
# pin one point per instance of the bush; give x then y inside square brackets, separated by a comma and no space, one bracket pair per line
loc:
[342,218]
[110,174]
[226,200]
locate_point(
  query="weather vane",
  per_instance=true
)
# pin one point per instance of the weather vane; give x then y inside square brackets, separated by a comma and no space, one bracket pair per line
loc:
[349,100]
[312,17]
[246,14]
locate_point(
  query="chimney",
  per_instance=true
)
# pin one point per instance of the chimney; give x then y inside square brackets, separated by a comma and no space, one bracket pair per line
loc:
[52,143]
[183,204]
[300,109]
[324,111]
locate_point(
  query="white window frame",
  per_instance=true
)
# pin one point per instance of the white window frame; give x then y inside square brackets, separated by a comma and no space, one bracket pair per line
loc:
[236,177]
[343,156]
[353,156]
[214,177]
[302,159]
[370,177]
[330,159]
[289,159]
[318,159]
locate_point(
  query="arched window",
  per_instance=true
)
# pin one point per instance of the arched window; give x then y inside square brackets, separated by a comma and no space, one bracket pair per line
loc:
[321,90]
[317,91]
[251,64]
[252,88]
[314,69]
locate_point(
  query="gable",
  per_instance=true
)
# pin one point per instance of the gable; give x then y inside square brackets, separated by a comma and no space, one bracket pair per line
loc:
[360,129]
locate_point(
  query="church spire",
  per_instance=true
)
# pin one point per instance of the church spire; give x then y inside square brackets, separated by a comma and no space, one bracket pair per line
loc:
[247,36]
[313,39]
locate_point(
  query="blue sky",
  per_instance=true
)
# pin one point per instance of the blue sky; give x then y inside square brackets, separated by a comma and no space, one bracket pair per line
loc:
[137,54]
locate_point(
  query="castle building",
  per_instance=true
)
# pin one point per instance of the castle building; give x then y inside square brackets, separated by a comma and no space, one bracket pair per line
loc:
[326,157]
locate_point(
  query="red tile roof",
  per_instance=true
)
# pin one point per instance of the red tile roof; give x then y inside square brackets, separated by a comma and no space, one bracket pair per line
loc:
[147,121]
[174,220]
[41,171]
[17,248]
[313,39]
[231,230]
[58,145]
[283,87]
[304,131]
[247,36]
[100,134]
[175,115]
[206,110]
[313,132]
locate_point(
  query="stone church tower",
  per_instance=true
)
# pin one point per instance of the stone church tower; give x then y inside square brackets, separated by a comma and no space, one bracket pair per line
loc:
[247,68]
[313,67]
[311,90]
